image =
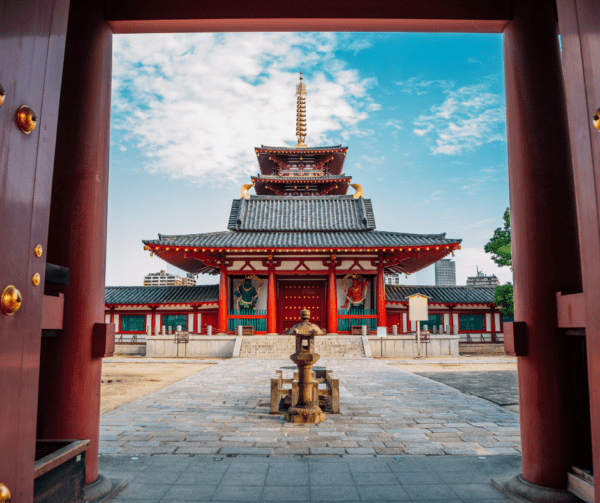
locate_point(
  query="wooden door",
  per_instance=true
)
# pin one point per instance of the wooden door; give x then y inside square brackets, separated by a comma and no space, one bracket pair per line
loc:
[32,45]
[297,295]
[208,318]
[579,26]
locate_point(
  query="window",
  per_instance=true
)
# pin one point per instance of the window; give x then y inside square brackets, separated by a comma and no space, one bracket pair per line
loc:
[173,320]
[133,323]
[435,320]
[471,322]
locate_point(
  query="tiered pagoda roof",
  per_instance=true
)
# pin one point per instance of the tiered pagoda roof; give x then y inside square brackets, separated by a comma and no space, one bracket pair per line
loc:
[309,171]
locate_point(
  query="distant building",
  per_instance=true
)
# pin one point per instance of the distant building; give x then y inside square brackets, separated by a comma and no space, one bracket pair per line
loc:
[482,280]
[445,273]
[391,279]
[163,278]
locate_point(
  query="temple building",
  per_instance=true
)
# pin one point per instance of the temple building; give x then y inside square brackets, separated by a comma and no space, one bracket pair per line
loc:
[300,242]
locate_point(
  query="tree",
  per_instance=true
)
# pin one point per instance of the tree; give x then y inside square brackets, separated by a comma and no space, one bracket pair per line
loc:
[503,296]
[499,247]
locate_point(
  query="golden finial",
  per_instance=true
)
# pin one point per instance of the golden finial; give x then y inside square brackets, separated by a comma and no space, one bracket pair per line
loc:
[301,113]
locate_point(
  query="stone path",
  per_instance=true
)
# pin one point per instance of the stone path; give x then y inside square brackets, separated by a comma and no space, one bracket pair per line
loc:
[176,479]
[500,387]
[384,411]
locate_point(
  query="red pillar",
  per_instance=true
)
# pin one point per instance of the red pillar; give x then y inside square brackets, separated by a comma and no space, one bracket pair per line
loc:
[545,250]
[332,304]
[223,298]
[153,319]
[381,314]
[195,324]
[271,301]
[77,231]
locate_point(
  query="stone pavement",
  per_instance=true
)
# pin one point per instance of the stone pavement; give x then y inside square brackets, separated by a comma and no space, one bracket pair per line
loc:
[171,479]
[500,387]
[385,411]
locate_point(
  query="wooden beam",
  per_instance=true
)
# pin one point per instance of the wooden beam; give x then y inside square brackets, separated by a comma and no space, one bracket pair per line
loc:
[157,16]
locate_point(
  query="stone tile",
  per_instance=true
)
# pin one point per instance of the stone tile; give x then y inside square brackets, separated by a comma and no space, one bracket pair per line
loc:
[144,492]
[374,478]
[428,492]
[327,450]
[197,478]
[286,493]
[383,493]
[237,478]
[423,477]
[249,467]
[334,493]
[190,492]
[475,491]
[327,477]
[238,493]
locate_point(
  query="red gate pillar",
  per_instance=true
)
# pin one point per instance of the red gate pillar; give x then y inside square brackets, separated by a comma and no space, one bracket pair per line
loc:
[332,304]
[545,250]
[70,374]
[381,314]
[271,301]
[223,298]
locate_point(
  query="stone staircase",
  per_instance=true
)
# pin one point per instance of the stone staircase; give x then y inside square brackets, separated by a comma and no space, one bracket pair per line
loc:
[282,346]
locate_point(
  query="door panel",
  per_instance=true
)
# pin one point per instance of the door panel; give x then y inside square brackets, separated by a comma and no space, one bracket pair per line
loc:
[208,318]
[32,41]
[298,295]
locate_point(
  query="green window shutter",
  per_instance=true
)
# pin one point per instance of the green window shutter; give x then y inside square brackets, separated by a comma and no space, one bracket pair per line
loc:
[133,323]
[472,322]
[173,320]
[435,320]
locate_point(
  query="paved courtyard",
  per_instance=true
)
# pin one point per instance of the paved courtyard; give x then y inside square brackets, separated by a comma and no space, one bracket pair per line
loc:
[385,411]
[423,479]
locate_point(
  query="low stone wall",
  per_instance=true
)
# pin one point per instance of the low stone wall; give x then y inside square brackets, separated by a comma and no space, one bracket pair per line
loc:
[282,346]
[406,345]
[199,346]
[130,349]
[482,349]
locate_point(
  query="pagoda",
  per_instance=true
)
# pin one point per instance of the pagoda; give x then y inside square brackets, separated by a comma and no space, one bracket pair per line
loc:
[301,242]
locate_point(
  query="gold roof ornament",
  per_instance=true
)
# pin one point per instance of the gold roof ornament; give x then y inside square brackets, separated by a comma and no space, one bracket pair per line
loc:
[359,190]
[244,193]
[301,113]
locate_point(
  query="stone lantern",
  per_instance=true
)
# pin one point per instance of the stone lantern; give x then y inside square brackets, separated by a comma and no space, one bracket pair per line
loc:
[307,409]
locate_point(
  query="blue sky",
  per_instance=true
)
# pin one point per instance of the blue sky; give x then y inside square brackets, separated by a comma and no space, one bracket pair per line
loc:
[422,114]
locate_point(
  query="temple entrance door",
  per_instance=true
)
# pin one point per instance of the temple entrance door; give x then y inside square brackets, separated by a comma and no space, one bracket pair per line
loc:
[297,295]
[33,36]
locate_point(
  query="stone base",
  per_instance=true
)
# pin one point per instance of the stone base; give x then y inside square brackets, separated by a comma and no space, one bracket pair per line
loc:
[97,490]
[305,415]
[519,490]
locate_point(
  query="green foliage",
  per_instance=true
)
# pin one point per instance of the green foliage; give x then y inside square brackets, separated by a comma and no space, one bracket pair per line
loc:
[499,244]
[503,296]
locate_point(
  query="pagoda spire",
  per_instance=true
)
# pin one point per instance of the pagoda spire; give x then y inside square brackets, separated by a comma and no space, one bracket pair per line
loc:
[301,113]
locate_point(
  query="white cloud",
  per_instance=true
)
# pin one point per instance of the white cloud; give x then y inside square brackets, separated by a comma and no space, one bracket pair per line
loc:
[395,124]
[413,85]
[475,60]
[468,118]
[197,104]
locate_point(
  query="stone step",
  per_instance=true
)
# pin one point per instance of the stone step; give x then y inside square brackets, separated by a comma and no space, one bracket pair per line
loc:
[282,346]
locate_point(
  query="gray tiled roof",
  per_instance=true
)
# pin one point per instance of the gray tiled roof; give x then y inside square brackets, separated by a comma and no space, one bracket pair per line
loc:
[161,294]
[236,239]
[210,293]
[315,213]
[442,294]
